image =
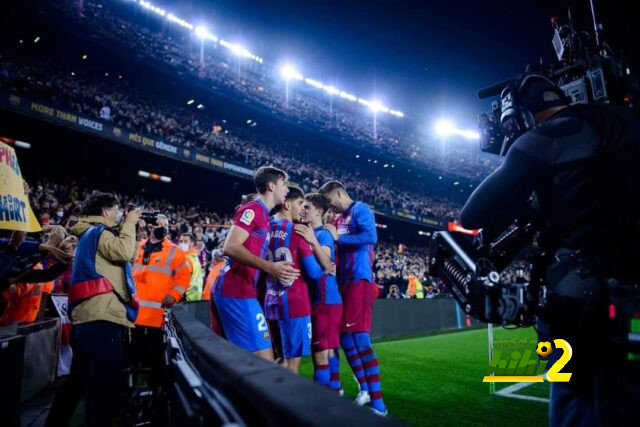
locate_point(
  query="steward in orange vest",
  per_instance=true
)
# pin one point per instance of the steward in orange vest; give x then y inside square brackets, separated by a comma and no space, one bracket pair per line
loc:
[161,275]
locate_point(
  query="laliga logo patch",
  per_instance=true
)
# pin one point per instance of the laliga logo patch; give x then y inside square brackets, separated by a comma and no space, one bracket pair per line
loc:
[247,217]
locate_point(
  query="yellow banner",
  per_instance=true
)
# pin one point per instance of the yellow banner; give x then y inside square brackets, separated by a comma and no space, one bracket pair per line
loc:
[15,210]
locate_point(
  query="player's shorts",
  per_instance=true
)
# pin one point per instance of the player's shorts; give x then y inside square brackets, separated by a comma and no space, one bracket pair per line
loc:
[296,336]
[243,322]
[326,320]
[357,306]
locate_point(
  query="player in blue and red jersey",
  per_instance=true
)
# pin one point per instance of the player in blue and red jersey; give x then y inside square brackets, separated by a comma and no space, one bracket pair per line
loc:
[326,302]
[356,237]
[234,291]
[288,301]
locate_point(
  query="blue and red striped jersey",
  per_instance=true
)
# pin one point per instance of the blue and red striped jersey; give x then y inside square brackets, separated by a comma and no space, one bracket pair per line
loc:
[357,236]
[325,290]
[238,280]
[285,302]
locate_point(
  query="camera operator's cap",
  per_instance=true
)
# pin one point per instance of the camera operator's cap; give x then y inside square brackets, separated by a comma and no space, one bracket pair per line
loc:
[538,93]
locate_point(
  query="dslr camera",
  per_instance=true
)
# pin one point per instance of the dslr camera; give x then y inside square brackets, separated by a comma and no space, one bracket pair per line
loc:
[148,217]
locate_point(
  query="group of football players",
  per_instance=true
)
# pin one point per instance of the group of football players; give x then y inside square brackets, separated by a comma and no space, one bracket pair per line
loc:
[312,255]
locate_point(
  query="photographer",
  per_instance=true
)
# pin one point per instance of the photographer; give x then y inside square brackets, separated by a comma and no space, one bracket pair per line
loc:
[581,163]
[100,308]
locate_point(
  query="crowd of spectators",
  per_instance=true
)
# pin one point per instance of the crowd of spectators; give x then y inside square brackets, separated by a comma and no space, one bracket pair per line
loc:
[261,84]
[58,204]
[395,265]
[113,99]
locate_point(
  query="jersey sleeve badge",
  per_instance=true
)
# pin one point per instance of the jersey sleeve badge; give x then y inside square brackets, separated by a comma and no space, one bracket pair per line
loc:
[247,216]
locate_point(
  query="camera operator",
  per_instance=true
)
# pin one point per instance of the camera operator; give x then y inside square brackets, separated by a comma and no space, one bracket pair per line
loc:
[581,163]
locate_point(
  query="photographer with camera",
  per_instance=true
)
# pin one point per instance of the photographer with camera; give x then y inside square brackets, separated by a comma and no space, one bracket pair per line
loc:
[580,162]
[101,307]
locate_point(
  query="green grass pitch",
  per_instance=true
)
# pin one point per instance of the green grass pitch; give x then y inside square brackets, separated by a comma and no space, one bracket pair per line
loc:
[437,380]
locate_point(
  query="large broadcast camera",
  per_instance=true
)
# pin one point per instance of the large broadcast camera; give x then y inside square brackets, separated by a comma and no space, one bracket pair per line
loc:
[473,271]
[587,70]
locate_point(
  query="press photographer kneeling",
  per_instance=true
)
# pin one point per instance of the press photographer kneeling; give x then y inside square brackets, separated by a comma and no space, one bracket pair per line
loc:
[581,164]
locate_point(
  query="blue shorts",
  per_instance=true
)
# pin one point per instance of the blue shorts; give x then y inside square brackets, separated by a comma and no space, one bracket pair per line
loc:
[296,337]
[243,322]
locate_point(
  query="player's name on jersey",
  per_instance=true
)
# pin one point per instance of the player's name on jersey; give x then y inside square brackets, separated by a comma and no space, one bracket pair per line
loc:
[278,234]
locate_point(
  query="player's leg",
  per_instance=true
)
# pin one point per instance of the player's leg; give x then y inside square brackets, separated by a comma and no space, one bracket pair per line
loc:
[365,350]
[332,342]
[276,341]
[293,364]
[351,312]
[334,370]
[321,372]
[353,358]
[371,369]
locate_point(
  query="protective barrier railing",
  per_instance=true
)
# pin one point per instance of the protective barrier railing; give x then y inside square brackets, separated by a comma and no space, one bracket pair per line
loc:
[239,383]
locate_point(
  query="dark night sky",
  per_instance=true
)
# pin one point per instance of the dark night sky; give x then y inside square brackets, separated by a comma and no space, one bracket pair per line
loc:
[425,58]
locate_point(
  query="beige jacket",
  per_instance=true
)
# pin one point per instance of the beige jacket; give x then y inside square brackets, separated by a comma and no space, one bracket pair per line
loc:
[113,252]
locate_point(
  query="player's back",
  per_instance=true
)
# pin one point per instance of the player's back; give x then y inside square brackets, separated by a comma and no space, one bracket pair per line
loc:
[355,261]
[237,280]
[286,301]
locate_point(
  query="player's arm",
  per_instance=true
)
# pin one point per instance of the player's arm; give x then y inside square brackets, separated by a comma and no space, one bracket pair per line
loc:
[502,196]
[367,234]
[321,252]
[234,248]
[311,267]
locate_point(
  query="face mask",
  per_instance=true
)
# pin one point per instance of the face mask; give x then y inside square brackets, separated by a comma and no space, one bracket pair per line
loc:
[160,233]
[184,246]
[60,214]
[118,217]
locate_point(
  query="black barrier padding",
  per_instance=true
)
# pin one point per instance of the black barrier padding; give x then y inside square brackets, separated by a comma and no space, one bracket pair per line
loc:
[11,362]
[391,318]
[401,317]
[263,392]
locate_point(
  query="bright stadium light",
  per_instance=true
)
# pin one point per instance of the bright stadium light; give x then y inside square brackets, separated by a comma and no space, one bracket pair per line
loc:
[469,134]
[444,128]
[288,72]
[376,106]
[330,90]
[202,32]
[314,83]
[348,96]
[239,50]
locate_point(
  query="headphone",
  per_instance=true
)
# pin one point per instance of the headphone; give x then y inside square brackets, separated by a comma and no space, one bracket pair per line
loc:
[516,117]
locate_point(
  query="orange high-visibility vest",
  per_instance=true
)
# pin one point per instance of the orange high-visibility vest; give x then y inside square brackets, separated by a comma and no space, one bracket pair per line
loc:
[23,303]
[213,275]
[23,300]
[411,288]
[168,272]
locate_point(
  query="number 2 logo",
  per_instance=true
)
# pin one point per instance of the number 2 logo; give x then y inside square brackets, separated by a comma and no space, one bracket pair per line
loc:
[262,322]
[554,374]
